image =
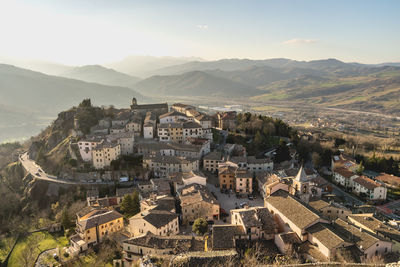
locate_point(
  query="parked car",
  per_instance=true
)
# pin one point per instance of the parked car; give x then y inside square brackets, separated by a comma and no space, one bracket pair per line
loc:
[243,204]
[211,222]
[250,197]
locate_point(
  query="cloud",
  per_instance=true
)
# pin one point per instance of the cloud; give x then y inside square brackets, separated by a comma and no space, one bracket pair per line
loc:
[202,27]
[300,41]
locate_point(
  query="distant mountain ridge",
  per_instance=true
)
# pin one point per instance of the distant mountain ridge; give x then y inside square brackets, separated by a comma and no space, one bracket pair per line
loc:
[144,66]
[21,87]
[27,97]
[327,82]
[195,83]
[242,64]
[102,75]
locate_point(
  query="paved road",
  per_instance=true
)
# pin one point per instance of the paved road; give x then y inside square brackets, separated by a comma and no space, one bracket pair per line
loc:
[42,260]
[348,197]
[37,172]
[228,202]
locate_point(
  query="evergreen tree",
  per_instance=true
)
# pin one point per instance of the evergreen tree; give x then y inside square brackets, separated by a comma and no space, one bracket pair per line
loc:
[66,219]
[200,226]
[130,204]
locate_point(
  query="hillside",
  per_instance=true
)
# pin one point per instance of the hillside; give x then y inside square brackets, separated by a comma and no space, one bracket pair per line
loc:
[28,97]
[261,76]
[196,83]
[327,82]
[46,67]
[100,74]
[330,65]
[145,66]
[378,91]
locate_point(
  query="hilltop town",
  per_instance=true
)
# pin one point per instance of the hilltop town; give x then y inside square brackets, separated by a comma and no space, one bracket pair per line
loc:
[176,185]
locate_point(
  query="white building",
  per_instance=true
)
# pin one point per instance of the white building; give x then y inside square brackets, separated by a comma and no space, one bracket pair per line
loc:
[134,126]
[164,165]
[211,161]
[170,132]
[173,117]
[148,131]
[192,129]
[86,146]
[117,129]
[344,177]
[149,126]
[121,118]
[125,139]
[182,179]
[373,190]
[204,120]
[162,223]
[252,164]
[104,153]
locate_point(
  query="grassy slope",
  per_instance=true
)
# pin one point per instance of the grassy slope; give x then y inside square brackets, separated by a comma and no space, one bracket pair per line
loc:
[378,91]
[48,241]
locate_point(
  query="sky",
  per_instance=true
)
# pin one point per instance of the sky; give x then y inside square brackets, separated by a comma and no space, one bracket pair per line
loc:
[78,32]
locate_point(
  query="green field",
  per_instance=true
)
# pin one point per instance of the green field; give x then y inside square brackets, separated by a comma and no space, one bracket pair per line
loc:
[46,241]
[5,246]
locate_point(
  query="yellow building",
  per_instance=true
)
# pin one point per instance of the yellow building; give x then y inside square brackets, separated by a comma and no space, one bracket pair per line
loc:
[226,175]
[170,132]
[103,154]
[93,226]
[244,182]
[198,202]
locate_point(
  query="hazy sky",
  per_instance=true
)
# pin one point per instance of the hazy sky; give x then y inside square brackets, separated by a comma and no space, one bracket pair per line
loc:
[89,31]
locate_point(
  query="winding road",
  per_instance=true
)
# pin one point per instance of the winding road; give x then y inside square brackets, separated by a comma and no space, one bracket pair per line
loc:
[37,172]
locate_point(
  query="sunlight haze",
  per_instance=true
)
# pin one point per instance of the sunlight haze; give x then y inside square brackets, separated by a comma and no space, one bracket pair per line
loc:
[89,32]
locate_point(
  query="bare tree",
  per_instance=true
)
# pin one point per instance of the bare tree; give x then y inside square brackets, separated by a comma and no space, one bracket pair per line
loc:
[29,253]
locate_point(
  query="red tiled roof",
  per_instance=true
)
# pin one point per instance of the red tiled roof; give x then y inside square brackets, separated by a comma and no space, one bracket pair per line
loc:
[366,182]
[388,178]
[344,172]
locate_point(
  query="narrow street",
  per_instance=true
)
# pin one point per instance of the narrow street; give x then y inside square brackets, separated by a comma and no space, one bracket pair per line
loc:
[341,193]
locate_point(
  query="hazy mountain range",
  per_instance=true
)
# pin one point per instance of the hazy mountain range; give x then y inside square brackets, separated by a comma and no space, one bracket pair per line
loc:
[100,74]
[27,96]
